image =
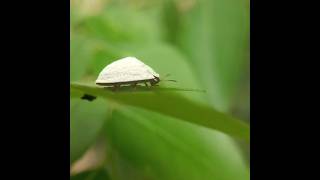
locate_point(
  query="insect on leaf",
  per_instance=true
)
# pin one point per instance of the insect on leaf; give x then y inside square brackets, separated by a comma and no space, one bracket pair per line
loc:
[180,107]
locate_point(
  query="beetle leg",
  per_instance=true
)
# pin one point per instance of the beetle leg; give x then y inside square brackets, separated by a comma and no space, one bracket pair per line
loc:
[151,83]
[146,84]
[115,87]
[134,85]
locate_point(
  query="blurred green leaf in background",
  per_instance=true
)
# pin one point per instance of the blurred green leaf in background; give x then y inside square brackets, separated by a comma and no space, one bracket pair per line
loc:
[170,134]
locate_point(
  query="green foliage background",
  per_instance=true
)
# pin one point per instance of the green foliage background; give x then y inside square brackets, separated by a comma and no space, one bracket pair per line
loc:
[162,135]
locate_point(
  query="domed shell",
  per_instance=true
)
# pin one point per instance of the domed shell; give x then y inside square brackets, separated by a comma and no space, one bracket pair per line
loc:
[127,69]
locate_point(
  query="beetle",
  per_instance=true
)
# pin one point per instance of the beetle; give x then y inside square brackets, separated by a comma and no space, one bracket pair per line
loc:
[127,71]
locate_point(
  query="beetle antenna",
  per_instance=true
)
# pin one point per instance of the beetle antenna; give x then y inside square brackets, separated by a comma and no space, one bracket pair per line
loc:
[169,80]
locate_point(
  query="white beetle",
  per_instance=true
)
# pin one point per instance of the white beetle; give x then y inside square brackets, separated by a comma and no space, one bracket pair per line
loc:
[127,71]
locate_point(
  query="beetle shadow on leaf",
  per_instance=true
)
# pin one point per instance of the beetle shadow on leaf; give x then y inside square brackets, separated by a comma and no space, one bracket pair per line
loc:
[88,97]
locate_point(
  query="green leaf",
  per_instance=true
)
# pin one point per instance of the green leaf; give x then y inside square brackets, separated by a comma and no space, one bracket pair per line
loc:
[76,93]
[122,24]
[215,35]
[147,145]
[87,119]
[174,105]
[79,56]
[98,174]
